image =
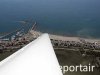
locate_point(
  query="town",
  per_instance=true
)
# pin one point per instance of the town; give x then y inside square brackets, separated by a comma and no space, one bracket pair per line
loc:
[59,42]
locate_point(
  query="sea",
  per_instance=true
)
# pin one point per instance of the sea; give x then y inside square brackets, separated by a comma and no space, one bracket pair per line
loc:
[64,17]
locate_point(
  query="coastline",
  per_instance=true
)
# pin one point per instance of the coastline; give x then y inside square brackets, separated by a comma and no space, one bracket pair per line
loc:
[65,38]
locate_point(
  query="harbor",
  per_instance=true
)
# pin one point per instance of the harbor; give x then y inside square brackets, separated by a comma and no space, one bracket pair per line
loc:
[89,46]
[62,44]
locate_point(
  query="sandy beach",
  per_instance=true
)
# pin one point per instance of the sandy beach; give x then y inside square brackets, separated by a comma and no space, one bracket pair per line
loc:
[66,38]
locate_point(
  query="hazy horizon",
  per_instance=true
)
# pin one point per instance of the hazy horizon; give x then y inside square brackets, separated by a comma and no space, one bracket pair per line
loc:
[68,17]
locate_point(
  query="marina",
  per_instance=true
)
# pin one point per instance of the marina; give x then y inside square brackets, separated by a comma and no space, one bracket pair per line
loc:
[86,47]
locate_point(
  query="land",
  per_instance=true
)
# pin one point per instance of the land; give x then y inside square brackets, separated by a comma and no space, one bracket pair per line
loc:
[69,50]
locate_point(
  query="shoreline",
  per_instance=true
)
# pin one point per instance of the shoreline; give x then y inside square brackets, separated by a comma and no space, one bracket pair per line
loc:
[69,34]
[65,38]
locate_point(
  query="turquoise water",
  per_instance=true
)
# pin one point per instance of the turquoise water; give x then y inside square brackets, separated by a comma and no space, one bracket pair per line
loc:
[66,17]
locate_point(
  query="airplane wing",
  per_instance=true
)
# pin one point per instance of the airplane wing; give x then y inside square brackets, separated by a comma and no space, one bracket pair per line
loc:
[36,58]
